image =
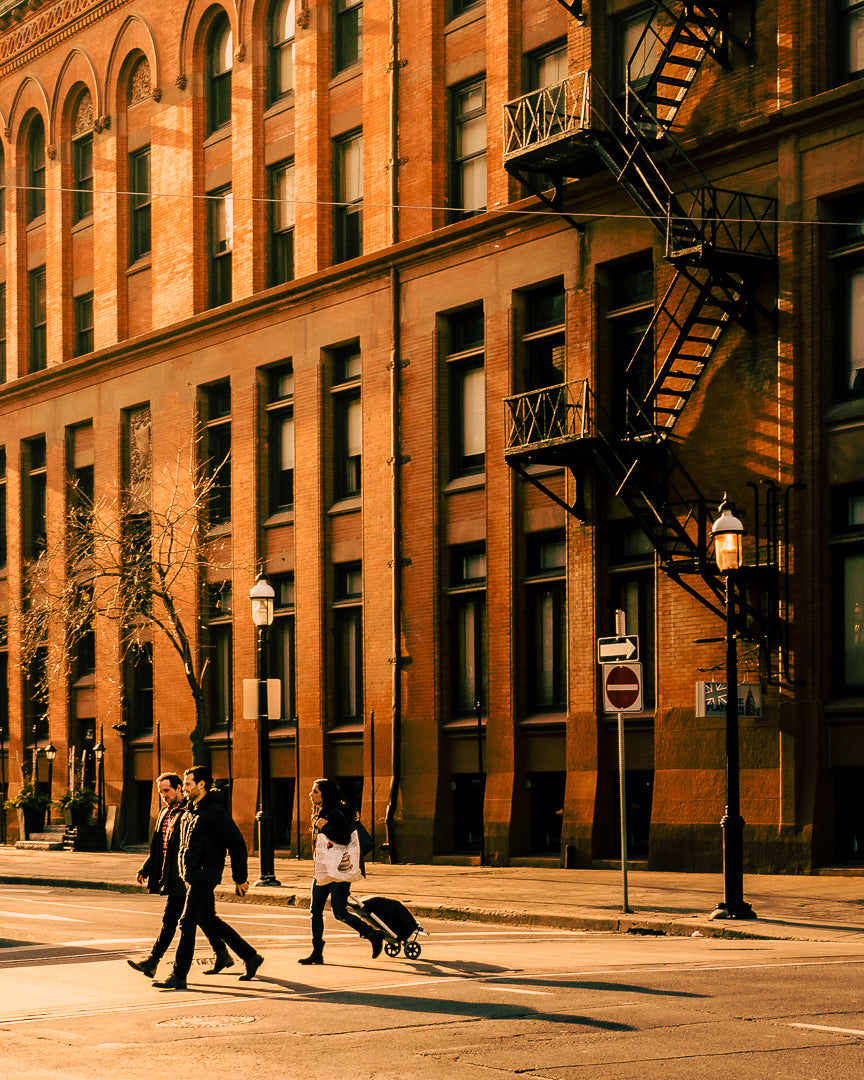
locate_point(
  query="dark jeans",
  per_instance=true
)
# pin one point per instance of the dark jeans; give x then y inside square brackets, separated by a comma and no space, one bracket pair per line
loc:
[170,918]
[200,910]
[338,892]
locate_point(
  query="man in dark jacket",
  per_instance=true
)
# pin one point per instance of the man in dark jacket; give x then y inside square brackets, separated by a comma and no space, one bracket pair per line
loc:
[207,833]
[161,873]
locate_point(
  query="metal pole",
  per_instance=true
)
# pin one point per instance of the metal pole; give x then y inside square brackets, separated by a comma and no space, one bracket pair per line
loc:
[372,778]
[2,783]
[264,816]
[480,785]
[297,776]
[620,631]
[733,905]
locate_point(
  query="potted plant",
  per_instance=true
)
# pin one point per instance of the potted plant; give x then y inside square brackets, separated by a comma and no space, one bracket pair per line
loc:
[77,806]
[31,806]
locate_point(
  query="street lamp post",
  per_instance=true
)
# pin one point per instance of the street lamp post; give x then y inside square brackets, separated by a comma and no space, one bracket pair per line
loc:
[262,596]
[728,532]
[99,754]
[50,754]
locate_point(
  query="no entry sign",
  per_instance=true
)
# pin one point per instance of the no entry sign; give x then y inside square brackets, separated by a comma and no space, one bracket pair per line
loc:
[622,688]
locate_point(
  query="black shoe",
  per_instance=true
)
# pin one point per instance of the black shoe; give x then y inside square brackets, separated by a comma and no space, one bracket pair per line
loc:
[222,961]
[173,982]
[315,957]
[251,967]
[146,967]
[377,940]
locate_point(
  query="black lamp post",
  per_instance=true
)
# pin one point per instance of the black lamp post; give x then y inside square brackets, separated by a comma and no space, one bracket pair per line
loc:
[728,532]
[99,754]
[50,754]
[262,596]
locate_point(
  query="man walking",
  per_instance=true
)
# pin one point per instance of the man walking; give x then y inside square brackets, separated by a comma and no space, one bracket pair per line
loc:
[161,874]
[207,833]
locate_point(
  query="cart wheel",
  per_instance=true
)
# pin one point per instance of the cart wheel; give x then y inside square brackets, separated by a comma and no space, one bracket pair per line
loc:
[392,948]
[412,950]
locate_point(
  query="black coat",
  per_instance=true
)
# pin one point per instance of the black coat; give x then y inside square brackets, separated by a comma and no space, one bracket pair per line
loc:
[207,833]
[163,875]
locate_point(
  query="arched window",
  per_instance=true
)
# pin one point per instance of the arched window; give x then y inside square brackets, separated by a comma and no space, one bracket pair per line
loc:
[82,160]
[280,63]
[36,169]
[2,192]
[219,61]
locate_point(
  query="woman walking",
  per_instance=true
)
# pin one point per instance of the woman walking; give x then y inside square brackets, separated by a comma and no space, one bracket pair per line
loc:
[332,820]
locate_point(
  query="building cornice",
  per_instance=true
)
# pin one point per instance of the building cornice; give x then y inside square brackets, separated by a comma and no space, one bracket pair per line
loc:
[25,36]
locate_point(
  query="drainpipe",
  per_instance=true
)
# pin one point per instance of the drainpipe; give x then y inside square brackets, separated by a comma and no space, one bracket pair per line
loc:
[396,463]
[394,162]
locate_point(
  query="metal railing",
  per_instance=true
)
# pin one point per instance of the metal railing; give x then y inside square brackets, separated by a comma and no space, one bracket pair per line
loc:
[554,415]
[547,114]
[731,221]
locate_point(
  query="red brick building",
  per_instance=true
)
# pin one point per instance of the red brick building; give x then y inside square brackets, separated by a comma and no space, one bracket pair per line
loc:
[309,250]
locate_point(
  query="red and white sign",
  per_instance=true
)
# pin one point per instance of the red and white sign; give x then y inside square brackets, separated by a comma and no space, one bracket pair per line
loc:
[622,688]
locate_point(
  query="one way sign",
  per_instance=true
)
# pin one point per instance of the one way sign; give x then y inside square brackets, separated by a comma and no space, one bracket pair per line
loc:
[611,649]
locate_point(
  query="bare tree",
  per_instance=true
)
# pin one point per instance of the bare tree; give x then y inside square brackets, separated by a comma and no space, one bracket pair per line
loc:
[139,558]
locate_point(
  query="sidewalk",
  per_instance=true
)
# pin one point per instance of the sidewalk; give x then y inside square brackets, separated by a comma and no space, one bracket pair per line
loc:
[820,908]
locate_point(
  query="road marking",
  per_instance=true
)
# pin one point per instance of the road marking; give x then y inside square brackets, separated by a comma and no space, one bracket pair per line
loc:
[517,990]
[25,915]
[823,1027]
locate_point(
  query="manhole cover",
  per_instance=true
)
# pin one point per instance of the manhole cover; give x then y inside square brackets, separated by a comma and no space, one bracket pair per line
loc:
[206,1021]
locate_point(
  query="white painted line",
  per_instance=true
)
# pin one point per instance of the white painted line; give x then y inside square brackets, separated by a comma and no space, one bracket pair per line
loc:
[517,990]
[27,915]
[823,1027]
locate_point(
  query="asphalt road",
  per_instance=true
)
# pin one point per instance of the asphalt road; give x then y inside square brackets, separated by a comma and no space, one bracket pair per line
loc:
[486,1002]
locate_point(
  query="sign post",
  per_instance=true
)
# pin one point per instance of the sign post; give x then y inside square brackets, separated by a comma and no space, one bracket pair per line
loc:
[622,692]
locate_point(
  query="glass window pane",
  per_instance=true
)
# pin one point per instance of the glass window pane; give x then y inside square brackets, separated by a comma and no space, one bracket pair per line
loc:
[287,444]
[474,412]
[354,429]
[855,308]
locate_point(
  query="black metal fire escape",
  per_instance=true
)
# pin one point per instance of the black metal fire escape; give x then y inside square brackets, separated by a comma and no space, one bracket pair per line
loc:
[719,243]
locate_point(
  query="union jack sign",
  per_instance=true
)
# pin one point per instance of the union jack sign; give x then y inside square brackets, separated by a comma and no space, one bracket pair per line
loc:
[711,699]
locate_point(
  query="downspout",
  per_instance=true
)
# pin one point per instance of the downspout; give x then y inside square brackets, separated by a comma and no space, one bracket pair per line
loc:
[396,462]
[393,84]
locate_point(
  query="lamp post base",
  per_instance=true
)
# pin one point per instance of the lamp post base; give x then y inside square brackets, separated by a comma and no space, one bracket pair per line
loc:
[739,910]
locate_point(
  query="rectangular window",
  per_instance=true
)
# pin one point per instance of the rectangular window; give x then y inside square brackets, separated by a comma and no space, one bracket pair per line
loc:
[139,696]
[347,422]
[467,597]
[458,7]
[468,150]
[80,491]
[547,626]
[221,242]
[280,61]
[139,204]
[631,582]
[850,39]
[467,380]
[281,262]
[280,430]
[219,694]
[348,627]
[282,644]
[82,177]
[847,543]
[847,259]
[38,320]
[35,471]
[217,452]
[543,348]
[629,315]
[83,306]
[348,196]
[348,34]
[638,50]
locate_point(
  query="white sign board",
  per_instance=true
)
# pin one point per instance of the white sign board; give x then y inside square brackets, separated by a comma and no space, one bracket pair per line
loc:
[711,699]
[622,688]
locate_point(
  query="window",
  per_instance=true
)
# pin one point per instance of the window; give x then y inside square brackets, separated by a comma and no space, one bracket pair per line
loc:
[35,472]
[348,165]
[2,332]
[543,339]
[280,431]
[457,7]
[281,261]
[347,422]
[467,380]
[36,169]
[139,204]
[347,33]
[220,206]
[631,308]
[80,491]
[468,628]
[280,65]
[217,451]
[638,50]
[282,646]
[847,544]
[468,150]
[548,67]
[2,193]
[83,323]
[218,649]
[850,39]
[139,691]
[82,177]
[348,628]
[847,258]
[547,628]
[38,320]
[219,63]
[2,507]
[631,581]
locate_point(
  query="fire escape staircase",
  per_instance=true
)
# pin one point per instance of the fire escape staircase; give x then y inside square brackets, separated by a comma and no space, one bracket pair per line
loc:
[718,241]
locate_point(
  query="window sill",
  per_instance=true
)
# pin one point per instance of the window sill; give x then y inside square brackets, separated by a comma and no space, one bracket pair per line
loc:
[354,71]
[544,720]
[222,529]
[83,224]
[281,105]
[474,14]
[221,736]
[35,223]
[850,709]
[352,505]
[142,742]
[284,732]
[137,267]
[845,411]
[466,483]
[346,733]
[281,517]
[464,725]
[219,135]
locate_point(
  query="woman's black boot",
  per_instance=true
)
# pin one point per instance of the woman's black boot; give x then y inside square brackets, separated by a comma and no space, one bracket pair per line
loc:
[316,956]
